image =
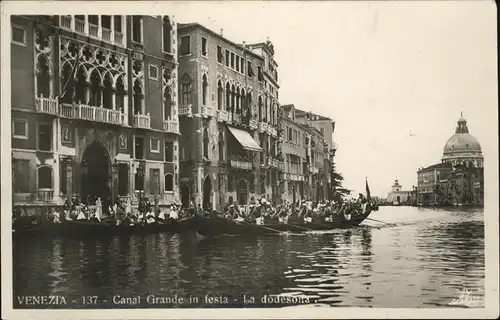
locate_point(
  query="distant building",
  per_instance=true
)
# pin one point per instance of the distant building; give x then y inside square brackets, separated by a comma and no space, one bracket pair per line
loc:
[397,196]
[459,178]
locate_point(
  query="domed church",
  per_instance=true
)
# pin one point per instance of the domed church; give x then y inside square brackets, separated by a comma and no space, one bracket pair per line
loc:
[459,178]
[462,147]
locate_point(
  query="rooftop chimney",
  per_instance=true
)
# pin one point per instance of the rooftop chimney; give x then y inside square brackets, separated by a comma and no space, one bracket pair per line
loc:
[222,32]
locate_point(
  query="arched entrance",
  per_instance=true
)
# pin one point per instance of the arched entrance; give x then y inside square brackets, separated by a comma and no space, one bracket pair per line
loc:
[185,195]
[242,192]
[96,175]
[207,192]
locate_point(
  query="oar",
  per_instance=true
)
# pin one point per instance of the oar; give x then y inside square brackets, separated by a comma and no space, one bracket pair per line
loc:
[261,226]
[380,221]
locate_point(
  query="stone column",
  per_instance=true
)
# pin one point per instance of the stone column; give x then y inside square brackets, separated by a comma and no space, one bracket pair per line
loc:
[112,33]
[86,25]
[72,23]
[99,27]
[55,148]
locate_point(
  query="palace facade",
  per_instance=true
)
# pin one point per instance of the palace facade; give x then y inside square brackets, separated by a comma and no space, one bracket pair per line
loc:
[94,109]
[228,108]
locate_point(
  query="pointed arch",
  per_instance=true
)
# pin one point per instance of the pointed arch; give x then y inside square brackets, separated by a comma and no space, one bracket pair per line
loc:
[95,88]
[121,92]
[204,89]
[228,97]
[221,146]
[137,97]
[81,85]
[206,141]
[167,103]
[233,98]
[260,108]
[220,95]
[107,92]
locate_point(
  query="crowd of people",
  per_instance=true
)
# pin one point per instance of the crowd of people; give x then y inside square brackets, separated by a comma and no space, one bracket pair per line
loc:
[259,210]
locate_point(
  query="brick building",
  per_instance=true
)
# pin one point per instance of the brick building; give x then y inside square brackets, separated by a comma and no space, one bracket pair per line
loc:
[94,110]
[228,118]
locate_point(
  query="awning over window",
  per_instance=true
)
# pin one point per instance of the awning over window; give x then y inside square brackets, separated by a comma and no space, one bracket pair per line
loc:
[245,139]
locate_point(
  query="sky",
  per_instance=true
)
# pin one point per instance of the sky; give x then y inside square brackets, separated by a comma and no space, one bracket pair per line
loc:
[381,70]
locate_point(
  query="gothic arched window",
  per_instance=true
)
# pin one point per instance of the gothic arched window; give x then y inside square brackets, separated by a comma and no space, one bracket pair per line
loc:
[221,147]
[205,143]
[243,102]
[233,98]
[228,97]
[260,109]
[167,28]
[186,89]
[237,98]
[137,98]
[204,88]
[81,87]
[43,78]
[95,89]
[67,87]
[220,95]
[167,104]
[120,95]
[107,94]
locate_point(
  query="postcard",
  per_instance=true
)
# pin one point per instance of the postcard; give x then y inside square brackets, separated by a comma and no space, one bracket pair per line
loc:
[249,159]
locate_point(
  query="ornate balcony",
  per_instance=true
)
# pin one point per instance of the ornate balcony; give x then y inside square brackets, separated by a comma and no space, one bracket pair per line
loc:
[207,111]
[45,195]
[106,34]
[186,111]
[80,26]
[241,164]
[47,105]
[263,127]
[171,126]
[66,22]
[237,118]
[222,116]
[313,170]
[272,131]
[142,121]
[253,124]
[99,114]
[118,38]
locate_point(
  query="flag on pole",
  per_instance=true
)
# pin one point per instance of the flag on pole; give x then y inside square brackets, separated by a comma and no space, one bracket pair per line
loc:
[367,189]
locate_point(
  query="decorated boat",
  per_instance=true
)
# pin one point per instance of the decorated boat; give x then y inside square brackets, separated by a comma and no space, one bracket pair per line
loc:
[213,226]
[106,227]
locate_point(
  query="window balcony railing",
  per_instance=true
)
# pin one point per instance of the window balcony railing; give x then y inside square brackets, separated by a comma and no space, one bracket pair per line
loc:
[45,195]
[99,114]
[47,105]
[93,30]
[66,22]
[186,111]
[272,131]
[222,116]
[106,34]
[263,127]
[171,126]
[294,177]
[207,111]
[253,124]
[313,170]
[118,38]
[142,121]
[237,118]
[241,164]
[80,26]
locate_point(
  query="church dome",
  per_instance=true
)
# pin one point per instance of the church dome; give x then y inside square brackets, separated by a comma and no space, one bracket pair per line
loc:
[462,145]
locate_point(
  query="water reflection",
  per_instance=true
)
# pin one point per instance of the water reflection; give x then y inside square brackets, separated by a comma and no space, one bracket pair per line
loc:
[423,260]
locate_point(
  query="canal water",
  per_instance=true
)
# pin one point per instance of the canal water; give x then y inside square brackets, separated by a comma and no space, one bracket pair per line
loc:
[424,258]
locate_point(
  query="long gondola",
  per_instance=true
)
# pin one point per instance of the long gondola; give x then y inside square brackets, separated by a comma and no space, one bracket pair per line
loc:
[214,226]
[108,227]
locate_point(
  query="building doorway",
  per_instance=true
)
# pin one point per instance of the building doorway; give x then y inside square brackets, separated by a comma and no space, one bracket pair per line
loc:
[207,192]
[185,195]
[242,192]
[96,175]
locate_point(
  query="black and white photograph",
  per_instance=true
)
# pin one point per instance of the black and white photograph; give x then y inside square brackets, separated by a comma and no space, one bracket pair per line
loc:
[249,159]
